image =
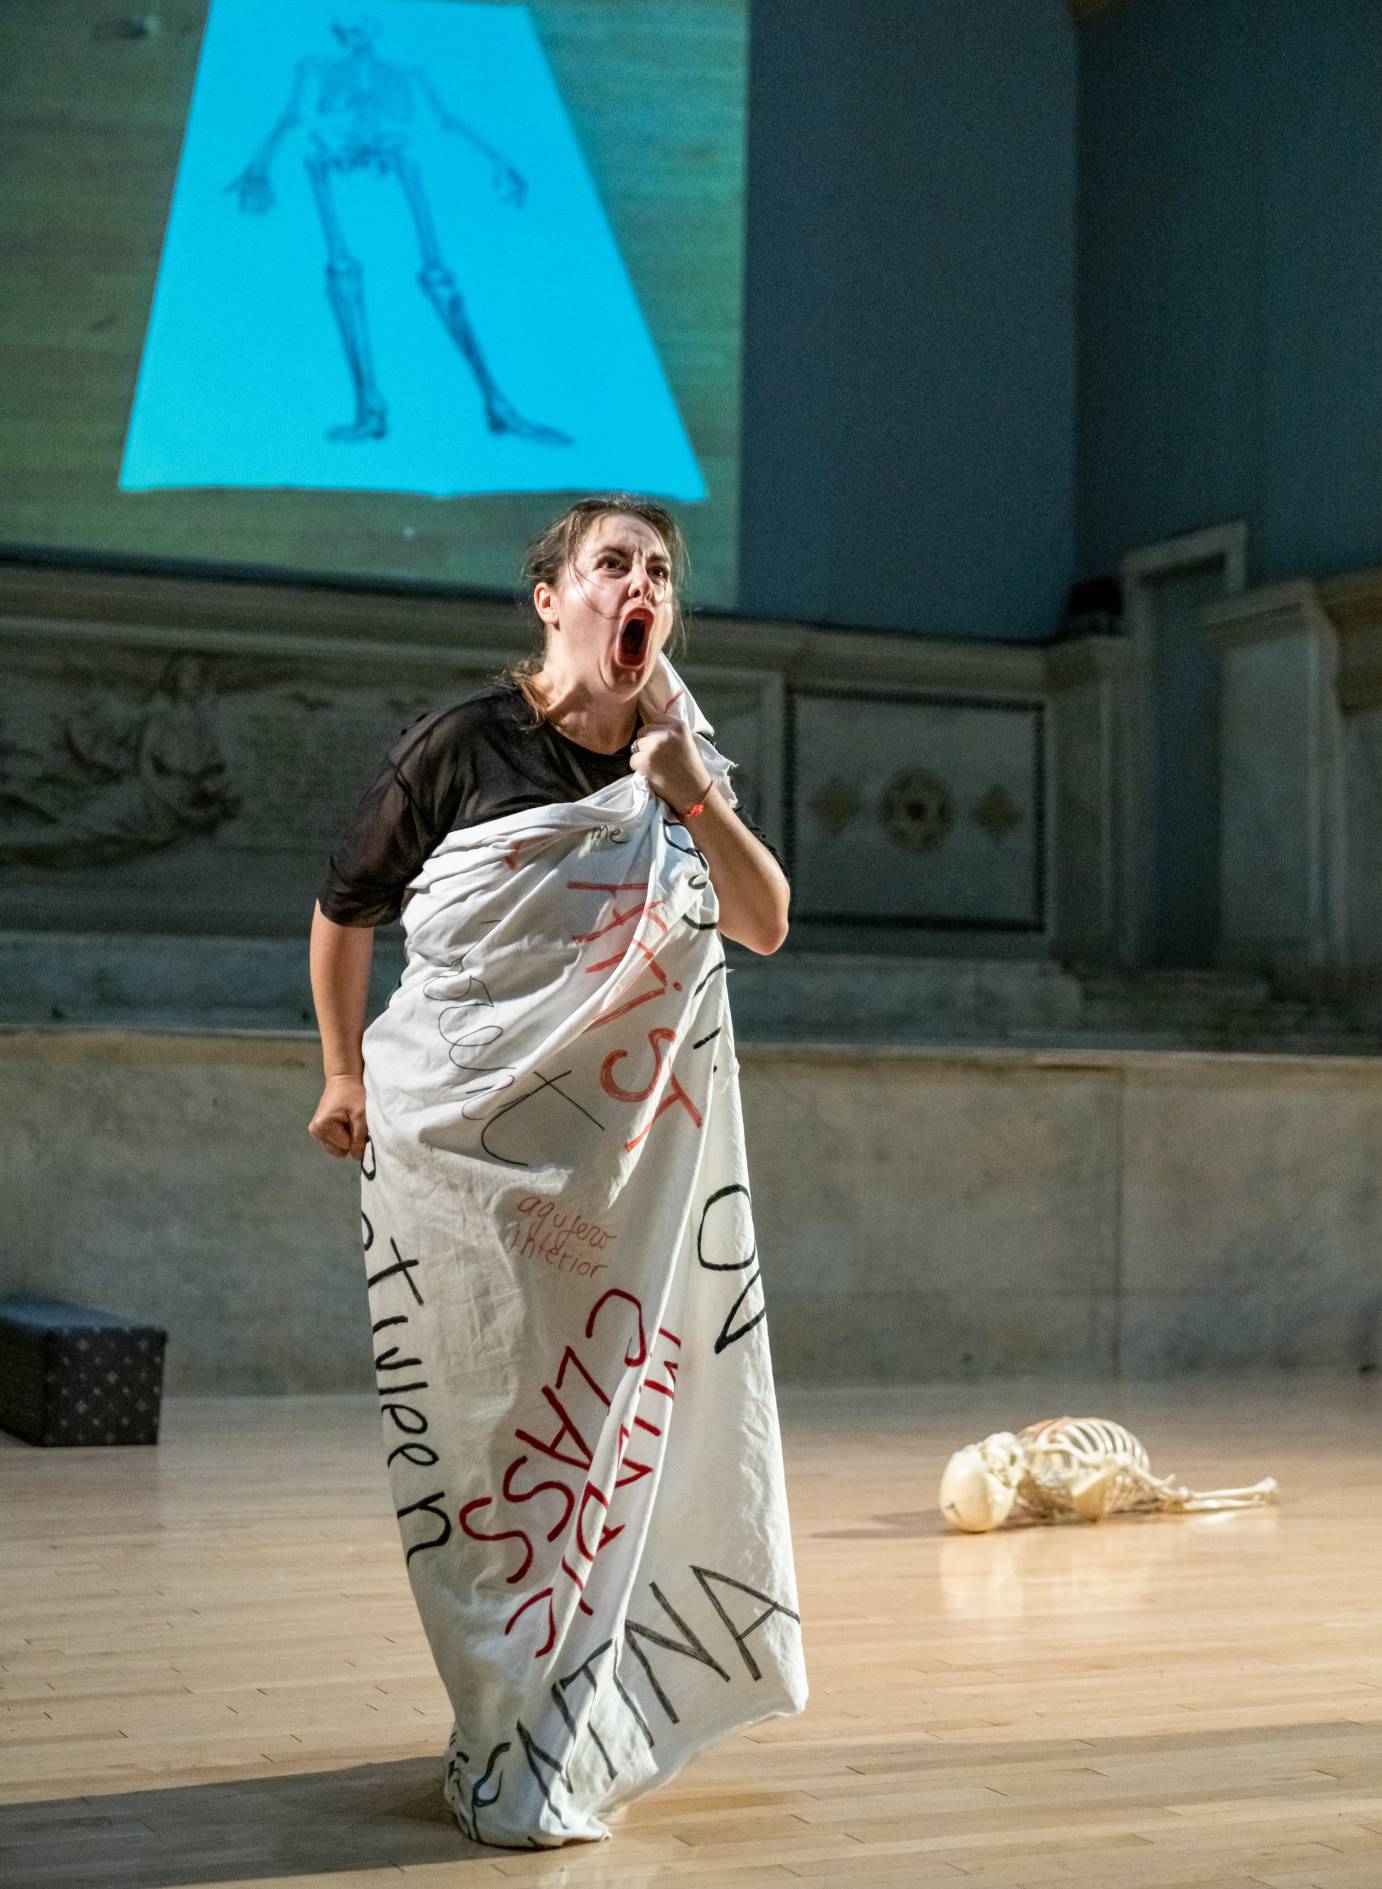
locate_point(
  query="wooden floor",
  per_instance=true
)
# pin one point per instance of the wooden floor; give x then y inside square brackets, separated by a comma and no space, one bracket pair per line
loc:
[211,1671]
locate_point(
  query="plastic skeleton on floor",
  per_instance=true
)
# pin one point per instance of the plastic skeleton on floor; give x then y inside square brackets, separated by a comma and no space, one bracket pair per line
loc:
[363,110]
[1070,1468]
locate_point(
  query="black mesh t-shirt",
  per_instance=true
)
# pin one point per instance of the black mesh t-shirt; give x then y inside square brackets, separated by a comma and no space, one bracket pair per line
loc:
[455,767]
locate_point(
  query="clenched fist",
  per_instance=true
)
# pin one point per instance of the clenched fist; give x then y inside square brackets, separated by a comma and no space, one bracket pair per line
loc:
[339,1124]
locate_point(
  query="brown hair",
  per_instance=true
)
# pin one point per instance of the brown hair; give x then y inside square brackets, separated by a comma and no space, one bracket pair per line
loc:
[553,549]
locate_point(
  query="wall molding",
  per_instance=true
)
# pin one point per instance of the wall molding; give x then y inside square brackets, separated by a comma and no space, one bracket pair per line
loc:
[281,695]
[245,614]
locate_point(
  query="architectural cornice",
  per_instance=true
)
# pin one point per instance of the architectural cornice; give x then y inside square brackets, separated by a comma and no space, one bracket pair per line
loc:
[181,611]
[1266,615]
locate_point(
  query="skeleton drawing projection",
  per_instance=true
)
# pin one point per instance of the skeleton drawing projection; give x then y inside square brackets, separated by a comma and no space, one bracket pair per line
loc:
[388,267]
[1070,1468]
[359,110]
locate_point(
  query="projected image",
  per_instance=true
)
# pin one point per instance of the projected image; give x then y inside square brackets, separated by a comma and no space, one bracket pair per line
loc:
[411,285]
[361,109]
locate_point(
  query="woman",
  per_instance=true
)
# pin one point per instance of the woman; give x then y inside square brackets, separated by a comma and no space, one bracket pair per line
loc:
[576,1390]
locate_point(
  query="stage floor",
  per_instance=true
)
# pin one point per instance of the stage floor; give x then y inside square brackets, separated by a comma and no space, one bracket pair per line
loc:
[211,1671]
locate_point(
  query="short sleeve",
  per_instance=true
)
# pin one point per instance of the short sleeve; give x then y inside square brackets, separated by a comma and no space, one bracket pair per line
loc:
[404,812]
[760,835]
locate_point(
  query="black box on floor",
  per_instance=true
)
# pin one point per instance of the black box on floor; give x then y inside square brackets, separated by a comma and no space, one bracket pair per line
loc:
[73,1376]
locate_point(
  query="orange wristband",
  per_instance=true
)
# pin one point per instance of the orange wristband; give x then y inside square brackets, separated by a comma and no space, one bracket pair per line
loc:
[698,808]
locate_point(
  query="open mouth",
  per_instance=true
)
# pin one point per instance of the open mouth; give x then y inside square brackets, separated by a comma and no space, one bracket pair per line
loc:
[635,633]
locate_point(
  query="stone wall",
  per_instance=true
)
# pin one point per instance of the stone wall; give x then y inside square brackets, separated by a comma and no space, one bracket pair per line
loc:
[920,1215]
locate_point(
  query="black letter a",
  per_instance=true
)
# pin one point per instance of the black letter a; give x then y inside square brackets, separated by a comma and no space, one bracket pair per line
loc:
[705,1576]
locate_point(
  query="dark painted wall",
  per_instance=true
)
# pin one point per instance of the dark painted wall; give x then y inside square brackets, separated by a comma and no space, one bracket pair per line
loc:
[909,343]
[1230,164]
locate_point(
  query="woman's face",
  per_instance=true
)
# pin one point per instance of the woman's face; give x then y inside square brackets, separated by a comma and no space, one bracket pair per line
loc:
[613,607]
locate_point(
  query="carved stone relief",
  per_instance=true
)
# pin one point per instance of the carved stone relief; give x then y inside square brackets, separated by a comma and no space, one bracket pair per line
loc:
[116,774]
[197,785]
[918,810]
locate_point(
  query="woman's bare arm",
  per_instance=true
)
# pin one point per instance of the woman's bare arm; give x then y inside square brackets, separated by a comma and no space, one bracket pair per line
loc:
[752,888]
[339,958]
[750,885]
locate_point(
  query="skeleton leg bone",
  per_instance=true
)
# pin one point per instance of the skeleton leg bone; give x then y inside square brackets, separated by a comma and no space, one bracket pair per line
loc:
[345,291]
[1166,1494]
[439,285]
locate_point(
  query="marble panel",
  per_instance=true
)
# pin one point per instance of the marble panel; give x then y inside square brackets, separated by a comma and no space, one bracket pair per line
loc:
[1085,909]
[925,1335]
[925,811]
[953,1180]
[1163,1333]
[175,1180]
[1254,1192]
[1269,762]
[1090,737]
[1343,1328]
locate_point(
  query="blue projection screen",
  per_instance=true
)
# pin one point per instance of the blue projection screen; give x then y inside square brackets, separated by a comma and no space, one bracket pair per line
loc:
[409,284]
[381,287]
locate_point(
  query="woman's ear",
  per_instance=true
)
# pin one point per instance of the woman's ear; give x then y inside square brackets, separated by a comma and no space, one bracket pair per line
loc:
[545,603]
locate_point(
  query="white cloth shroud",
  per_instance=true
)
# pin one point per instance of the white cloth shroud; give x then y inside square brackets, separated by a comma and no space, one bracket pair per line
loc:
[564,1287]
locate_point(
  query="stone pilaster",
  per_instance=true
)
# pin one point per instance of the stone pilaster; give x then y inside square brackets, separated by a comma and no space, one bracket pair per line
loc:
[1088,689]
[1282,851]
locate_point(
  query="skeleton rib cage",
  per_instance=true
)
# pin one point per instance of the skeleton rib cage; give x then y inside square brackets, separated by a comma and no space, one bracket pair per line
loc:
[1084,1465]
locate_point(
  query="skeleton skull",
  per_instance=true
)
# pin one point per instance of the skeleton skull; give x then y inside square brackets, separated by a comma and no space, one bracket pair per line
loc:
[356,31]
[979,1486]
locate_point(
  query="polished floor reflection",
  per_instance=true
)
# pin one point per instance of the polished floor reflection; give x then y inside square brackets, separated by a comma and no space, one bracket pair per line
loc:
[211,1671]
